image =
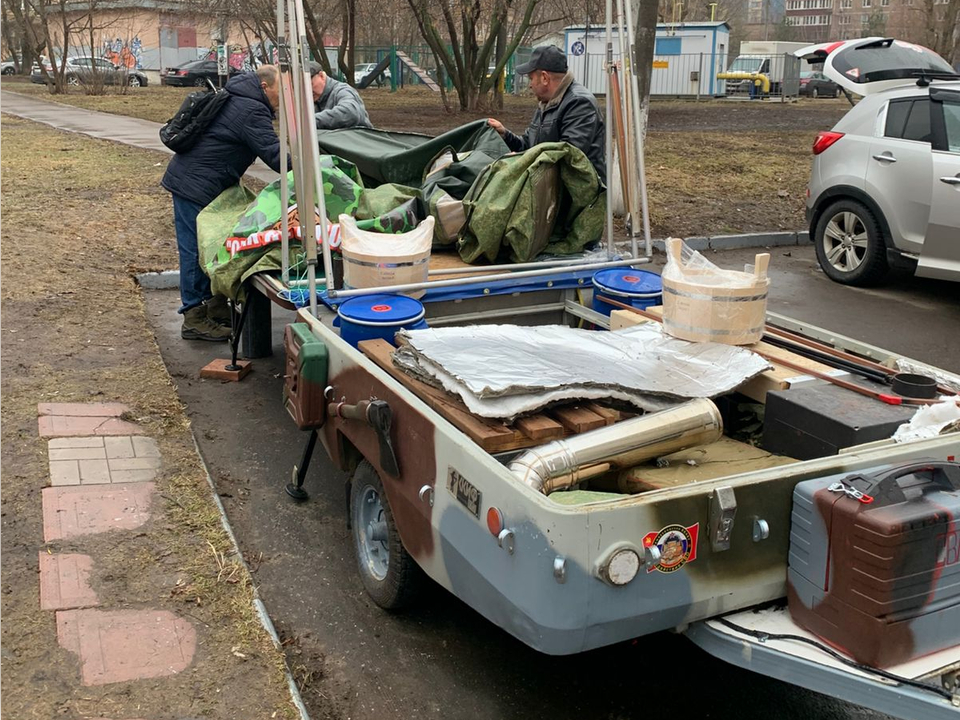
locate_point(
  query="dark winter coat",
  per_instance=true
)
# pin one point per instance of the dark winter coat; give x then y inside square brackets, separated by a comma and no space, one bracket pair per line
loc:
[575,119]
[241,132]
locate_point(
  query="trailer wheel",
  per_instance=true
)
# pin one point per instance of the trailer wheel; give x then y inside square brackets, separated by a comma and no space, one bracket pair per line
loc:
[388,572]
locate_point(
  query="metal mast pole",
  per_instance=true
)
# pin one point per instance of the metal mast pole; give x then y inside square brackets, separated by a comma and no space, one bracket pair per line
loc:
[638,141]
[609,126]
[284,62]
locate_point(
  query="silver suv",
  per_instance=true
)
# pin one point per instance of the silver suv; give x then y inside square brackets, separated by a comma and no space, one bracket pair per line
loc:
[885,186]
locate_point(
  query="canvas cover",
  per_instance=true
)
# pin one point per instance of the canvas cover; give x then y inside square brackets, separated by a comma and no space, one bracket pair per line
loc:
[493,204]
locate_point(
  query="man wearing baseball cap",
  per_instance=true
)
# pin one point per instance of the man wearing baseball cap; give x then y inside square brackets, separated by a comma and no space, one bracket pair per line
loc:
[566,112]
[336,104]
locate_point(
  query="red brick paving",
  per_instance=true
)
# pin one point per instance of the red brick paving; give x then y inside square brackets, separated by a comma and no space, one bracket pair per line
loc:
[121,645]
[69,425]
[73,511]
[83,409]
[65,581]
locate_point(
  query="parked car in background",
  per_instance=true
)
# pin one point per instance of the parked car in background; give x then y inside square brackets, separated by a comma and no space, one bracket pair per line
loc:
[815,84]
[8,67]
[885,185]
[360,72]
[193,74]
[86,69]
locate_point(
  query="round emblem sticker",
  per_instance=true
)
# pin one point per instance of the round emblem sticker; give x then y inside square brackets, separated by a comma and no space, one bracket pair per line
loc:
[577,48]
[381,308]
[677,545]
[631,278]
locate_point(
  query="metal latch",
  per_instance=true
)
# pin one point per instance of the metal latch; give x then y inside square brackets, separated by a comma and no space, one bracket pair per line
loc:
[377,414]
[723,510]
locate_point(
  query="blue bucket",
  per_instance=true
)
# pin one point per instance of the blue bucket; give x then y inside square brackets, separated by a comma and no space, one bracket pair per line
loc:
[640,288]
[378,316]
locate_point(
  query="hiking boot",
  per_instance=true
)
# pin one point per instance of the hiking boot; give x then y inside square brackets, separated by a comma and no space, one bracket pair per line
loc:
[197,326]
[218,310]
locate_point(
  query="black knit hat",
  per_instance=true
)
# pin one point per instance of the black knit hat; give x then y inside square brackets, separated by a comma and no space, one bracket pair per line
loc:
[314,67]
[544,57]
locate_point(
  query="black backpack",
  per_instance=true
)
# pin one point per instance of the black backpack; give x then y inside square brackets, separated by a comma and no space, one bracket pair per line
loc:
[181,132]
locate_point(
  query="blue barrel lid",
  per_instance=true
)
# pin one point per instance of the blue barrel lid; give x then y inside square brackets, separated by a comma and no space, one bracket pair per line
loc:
[628,281]
[381,309]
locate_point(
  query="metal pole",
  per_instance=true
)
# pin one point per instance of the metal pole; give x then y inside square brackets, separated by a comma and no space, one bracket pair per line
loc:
[453,282]
[609,127]
[639,138]
[284,189]
[512,266]
[630,195]
[700,72]
[313,159]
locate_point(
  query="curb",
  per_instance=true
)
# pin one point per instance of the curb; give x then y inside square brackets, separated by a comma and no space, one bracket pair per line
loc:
[746,240]
[257,602]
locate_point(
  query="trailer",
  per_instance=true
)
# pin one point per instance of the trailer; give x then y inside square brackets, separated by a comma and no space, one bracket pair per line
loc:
[580,525]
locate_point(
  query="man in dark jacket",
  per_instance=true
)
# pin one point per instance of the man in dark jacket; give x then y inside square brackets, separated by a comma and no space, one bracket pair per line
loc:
[241,132]
[567,111]
[337,105]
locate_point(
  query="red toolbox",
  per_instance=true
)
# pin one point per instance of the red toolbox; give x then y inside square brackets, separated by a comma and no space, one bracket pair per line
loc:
[874,565]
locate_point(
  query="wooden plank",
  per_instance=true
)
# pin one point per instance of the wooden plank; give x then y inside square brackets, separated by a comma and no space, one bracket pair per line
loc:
[756,388]
[540,427]
[491,435]
[577,418]
[609,415]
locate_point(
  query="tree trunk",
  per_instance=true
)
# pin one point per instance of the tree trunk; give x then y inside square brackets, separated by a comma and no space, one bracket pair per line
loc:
[645,35]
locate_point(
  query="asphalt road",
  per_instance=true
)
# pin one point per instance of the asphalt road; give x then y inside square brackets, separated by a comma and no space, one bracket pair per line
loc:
[442,659]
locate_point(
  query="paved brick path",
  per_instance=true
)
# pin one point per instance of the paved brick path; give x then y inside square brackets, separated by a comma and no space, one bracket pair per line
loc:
[101,468]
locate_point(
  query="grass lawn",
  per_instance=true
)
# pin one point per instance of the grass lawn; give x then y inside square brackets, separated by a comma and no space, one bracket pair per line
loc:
[749,178]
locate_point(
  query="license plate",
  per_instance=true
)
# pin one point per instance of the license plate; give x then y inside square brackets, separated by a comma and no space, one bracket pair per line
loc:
[464,491]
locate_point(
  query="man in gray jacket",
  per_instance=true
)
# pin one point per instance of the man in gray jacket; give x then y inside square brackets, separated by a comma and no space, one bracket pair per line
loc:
[566,112]
[337,105]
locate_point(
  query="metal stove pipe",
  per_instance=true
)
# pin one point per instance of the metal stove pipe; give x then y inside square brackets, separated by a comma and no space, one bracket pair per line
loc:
[563,463]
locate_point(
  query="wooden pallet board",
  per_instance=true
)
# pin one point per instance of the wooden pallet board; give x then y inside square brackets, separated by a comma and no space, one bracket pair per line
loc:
[756,388]
[493,435]
[578,418]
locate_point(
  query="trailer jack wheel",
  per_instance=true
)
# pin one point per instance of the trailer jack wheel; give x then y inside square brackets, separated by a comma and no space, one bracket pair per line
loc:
[295,489]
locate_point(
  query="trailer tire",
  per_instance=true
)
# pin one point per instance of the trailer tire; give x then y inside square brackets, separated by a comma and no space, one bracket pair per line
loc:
[388,572]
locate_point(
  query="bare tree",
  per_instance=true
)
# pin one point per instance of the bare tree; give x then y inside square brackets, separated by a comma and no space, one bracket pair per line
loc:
[471,39]
[645,37]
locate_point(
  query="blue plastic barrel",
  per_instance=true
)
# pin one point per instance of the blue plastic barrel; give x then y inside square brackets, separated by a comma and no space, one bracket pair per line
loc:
[379,316]
[640,288]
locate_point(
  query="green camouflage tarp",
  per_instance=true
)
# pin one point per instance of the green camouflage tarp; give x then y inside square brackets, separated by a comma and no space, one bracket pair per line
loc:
[512,210]
[238,213]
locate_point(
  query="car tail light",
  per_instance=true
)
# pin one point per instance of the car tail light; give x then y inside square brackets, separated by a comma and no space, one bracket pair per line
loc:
[181,72]
[825,139]
[804,81]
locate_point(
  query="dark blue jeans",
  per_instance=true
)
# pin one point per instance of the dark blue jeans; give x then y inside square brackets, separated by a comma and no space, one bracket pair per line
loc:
[194,283]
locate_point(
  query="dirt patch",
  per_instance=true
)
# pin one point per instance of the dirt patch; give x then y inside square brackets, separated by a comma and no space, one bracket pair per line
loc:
[80,216]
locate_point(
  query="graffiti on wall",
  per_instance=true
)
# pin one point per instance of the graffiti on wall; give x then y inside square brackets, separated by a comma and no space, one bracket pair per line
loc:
[123,53]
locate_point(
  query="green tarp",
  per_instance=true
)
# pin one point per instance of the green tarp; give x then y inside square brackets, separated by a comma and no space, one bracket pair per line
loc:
[514,207]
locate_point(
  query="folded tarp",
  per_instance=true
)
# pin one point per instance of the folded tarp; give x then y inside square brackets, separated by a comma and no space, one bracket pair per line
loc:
[505,370]
[403,158]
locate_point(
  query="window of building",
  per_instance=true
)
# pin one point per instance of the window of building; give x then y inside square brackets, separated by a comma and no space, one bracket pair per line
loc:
[865,3]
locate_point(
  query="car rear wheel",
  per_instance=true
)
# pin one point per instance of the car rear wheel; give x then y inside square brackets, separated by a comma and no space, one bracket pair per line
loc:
[850,244]
[199,82]
[837,92]
[73,80]
[814,93]
[388,572]
[134,81]
[8,71]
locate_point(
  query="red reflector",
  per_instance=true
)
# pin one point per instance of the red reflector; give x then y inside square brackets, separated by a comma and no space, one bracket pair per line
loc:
[825,139]
[182,72]
[494,521]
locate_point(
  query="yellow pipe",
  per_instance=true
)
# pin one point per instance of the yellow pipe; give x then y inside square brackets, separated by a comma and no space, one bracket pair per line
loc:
[758,78]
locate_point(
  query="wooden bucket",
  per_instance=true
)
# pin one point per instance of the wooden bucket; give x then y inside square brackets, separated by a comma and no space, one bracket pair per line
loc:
[706,313]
